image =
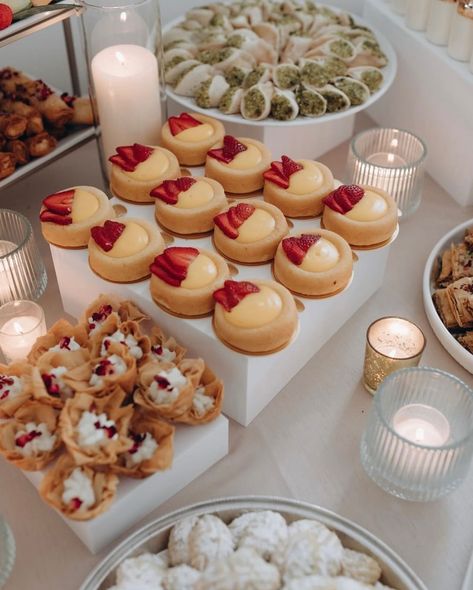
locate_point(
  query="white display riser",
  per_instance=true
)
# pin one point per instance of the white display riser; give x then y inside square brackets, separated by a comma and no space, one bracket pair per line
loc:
[432,96]
[196,449]
[251,382]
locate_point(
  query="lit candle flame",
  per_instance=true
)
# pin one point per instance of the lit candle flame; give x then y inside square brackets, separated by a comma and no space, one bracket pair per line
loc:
[390,158]
[120,57]
[18,328]
[123,17]
[420,435]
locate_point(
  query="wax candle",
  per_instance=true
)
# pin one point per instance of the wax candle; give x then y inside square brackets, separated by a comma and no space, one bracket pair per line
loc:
[460,41]
[422,424]
[21,323]
[400,6]
[126,84]
[440,20]
[6,270]
[417,15]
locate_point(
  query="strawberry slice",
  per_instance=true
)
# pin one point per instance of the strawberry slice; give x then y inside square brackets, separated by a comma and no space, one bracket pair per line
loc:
[182,122]
[75,504]
[223,222]
[46,216]
[141,152]
[290,166]
[280,172]
[233,292]
[122,163]
[296,248]
[126,152]
[243,211]
[169,190]
[162,274]
[106,236]
[231,148]
[272,176]
[231,220]
[129,156]
[344,198]
[171,266]
[60,203]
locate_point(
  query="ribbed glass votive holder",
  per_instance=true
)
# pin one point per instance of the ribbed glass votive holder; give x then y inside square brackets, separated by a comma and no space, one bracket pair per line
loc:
[22,272]
[392,160]
[418,443]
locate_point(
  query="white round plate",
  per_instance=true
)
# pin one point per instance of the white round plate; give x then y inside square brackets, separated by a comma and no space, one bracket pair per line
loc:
[454,348]
[389,73]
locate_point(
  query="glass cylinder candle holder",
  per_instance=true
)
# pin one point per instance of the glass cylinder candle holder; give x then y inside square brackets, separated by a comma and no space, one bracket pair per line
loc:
[418,443]
[7,551]
[22,272]
[392,160]
[392,343]
[417,15]
[124,53]
[440,20]
[21,323]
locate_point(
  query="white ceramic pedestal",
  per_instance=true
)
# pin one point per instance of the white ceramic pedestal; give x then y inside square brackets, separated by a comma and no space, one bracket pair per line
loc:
[195,450]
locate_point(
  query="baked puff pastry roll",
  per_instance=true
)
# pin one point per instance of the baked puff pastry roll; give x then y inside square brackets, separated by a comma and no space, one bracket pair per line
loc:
[256,102]
[167,390]
[127,335]
[104,306]
[284,106]
[207,399]
[30,440]
[15,387]
[151,447]
[210,92]
[165,349]
[95,430]
[79,493]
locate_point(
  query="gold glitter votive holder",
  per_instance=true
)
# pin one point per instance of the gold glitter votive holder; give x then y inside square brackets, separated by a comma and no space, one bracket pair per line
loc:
[392,343]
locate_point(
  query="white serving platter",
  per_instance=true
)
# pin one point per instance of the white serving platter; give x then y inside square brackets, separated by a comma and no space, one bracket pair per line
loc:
[454,348]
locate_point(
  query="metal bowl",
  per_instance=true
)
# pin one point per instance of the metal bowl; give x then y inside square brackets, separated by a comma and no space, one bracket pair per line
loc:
[154,537]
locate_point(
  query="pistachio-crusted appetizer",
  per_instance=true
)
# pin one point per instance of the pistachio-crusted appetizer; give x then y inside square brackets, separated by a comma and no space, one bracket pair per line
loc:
[201,15]
[269,33]
[230,102]
[295,48]
[286,76]
[357,92]
[188,82]
[212,57]
[175,35]
[284,106]
[256,102]
[241,38]
[314,73]
[311,102]
[258,75]
[334,66]
[210,92]
[190,25]
[236,75]
[173,74]
[369,75]
[336,47]
[227,57]
[337,100]
[173,53]
[369,53]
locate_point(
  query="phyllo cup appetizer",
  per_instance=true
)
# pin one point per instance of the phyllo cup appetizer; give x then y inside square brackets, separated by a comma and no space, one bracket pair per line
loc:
[62,336]
[164,348]
[127,335]
[15,387]
[106,305]
[207,399]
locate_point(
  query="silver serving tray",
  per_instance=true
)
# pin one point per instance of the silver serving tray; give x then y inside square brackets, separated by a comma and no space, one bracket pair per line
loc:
[154,537]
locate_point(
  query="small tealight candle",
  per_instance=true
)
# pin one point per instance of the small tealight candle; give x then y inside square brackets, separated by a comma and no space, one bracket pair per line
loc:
[391,343]
[21,323]
[422,425]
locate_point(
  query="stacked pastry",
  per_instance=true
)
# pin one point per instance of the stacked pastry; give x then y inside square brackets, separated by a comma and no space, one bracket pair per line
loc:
[453,298]
[33,117]
[99,399]
[278,59]
[257,550]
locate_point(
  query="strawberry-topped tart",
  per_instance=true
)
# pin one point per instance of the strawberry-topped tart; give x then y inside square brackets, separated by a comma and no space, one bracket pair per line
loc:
[67,216]
[363,215]
[137,169]
[238,164]
[188,204]
[122,250]
[250,231]
[255,316]
[190,136]
[183,279]
[314,263]
[297,187]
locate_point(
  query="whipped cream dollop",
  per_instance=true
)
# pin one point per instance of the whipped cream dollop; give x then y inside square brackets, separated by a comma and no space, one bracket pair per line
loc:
[55,384]
[10,387]
[202,403]
[161,353]
[78,490]
[112,365]
[144,447]
[96,320]
[166,386]
[129,341]
[67,343]
[95,429]
[34,439]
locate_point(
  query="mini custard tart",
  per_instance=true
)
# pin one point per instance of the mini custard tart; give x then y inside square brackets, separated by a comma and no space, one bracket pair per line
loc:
[79,493]
[30,440]
[136,169]
[363,215]
[95,430]
[190,136]
[61,337]
[250,231]
[255,316]
[127,335]
[183,280]
[121,251]
[67,216]
[188,205]
[297,187]
[238,164]
[166,390]
[16,387]
[315,263]
[164,348]
[207,399]
[151,447]
[104,306]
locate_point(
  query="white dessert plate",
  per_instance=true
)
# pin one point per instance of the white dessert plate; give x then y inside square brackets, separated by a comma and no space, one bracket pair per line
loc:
[454,348]
[153,537]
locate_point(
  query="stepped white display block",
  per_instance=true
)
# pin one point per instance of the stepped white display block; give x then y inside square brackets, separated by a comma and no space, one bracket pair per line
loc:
[196,449]
[251,382]
[432,97]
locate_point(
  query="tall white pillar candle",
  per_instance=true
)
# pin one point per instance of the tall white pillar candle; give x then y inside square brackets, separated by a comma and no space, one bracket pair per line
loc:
[126,83]
[440,20]
[400,6]
[417,15]
[460,40]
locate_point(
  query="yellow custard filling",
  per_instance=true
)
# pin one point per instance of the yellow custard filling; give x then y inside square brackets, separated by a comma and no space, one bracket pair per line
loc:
[84,205]
[370,208]
[321,256]
[133,239]
[201,272]
[259,225]
[255,310]
[154,167]
[307,180]
[199,194]
[196,134]
[250,158]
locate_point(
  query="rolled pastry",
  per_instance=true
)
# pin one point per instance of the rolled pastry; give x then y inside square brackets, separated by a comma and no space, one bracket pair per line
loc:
[256,102]
[357,91]
[210,92]
[230,102]
[7,164]
[369,75]
[311,102]
[258,75]
[337,100]
[286,76]
[13,126]
[20,150]
[284,106]
[188,82]
[41,144]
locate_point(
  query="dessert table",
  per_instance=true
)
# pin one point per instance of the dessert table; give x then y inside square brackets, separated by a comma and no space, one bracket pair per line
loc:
[304,445]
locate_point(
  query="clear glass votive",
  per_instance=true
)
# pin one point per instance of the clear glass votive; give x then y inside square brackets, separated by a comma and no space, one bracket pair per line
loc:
[22,272]
[7,551]
[418,443]
[392,160]
[392,343]
[21,323]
